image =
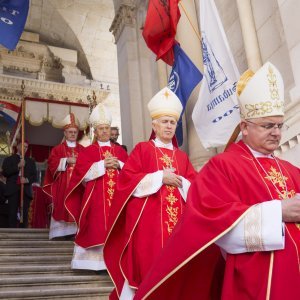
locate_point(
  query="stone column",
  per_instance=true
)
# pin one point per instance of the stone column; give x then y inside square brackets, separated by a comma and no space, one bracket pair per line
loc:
[249,34]
[289,12]
[137,74]
[188,35]
[289,148]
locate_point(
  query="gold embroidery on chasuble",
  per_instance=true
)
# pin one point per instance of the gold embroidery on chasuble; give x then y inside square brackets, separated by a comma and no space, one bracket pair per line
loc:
[173,205]
[167,161]
[109,182]
[107,154]
[110,185]
[171,209]
[70,152]
[279,181]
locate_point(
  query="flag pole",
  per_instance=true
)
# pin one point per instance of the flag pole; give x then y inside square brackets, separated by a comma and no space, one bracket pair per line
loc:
[22,150]
[233,137]
[190,21]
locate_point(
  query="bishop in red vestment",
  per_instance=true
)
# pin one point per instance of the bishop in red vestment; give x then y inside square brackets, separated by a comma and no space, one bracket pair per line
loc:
[240,236]
[149,200]
[61,164]
[91,190]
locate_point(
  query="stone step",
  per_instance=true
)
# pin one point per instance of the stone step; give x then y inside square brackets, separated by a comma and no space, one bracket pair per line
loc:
[35,244]
[62,293]
[35,251]
[24,230]
[32,267]
[24,236]
[38,282]
[35,259]
[42,270]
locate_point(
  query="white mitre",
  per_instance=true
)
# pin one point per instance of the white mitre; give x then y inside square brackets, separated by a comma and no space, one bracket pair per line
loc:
[70,121]
[165,103]
[261,94]
[100,116]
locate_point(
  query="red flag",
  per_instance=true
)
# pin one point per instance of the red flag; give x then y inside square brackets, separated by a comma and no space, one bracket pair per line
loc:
[160,28]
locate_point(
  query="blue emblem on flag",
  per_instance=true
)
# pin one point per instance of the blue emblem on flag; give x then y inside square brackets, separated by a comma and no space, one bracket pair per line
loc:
[215,75]
[13,15]
[183,79]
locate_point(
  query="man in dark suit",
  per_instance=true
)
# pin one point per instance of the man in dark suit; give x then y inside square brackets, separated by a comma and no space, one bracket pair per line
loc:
[11,167]
[114,134]
[3,202]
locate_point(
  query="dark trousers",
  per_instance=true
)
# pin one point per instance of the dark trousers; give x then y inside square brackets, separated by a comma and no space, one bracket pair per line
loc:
[13,204]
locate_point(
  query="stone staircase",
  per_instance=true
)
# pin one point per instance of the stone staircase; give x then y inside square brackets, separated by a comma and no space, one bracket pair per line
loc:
[32,267]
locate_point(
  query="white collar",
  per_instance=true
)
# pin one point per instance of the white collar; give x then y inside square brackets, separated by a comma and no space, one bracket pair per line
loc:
[257,154]
[102,144]
[160,144]
[71,144]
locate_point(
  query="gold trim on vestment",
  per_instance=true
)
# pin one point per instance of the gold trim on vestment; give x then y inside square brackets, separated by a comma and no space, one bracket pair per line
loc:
[108,234]
[253,229]
[270,275]
[86,202]
[294,245]
[125,278]
[80,181]
[248,157]
[196,253]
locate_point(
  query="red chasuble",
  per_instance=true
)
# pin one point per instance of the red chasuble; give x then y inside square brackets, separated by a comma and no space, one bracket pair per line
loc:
[140,227]
[56,182]
[191,266]
[89,203]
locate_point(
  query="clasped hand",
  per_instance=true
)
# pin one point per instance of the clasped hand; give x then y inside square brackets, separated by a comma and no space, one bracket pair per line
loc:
[71,160]
[111,162]
[170,178]
[24,180]
[21,164]
[291,209]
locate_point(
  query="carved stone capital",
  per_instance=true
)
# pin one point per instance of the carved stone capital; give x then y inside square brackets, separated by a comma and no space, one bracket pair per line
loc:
[10,90]
[125,16]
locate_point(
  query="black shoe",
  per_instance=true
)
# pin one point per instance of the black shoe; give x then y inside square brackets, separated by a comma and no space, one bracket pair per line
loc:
[101,272]
[70,237]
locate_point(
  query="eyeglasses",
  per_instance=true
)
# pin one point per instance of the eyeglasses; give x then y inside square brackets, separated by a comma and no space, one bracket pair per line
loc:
[271,126]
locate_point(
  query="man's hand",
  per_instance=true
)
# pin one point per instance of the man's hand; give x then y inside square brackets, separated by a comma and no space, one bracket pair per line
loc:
[21,164]
[170,178]
[71,160]
[291,209]
[111,163]
[24,180]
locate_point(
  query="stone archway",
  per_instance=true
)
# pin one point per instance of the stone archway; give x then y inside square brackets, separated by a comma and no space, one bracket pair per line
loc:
[82,26]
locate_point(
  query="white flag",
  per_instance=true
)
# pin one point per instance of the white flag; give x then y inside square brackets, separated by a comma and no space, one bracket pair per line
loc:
[216,113]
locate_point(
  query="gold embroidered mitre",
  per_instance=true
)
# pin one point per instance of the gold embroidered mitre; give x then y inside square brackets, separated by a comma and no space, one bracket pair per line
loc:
[261,94]
[70,121]
[165,103]
[100,116]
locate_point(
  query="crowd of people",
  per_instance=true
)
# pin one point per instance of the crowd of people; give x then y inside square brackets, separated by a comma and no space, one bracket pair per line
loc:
[164,231]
